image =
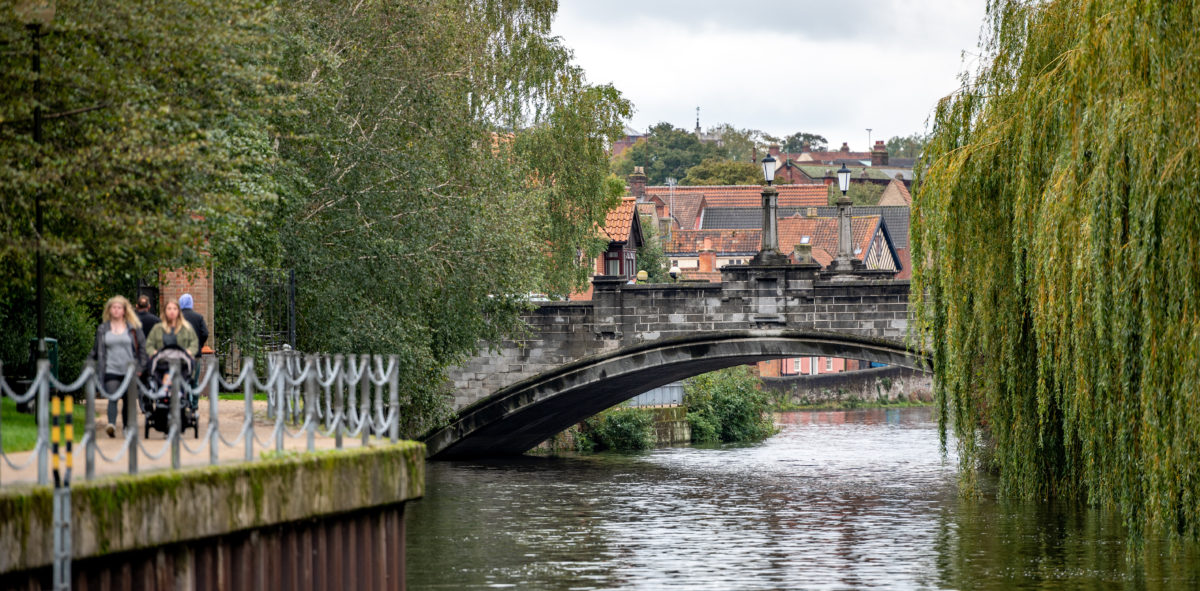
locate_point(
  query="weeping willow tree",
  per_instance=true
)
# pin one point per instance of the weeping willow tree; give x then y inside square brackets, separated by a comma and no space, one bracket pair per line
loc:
[1057,221]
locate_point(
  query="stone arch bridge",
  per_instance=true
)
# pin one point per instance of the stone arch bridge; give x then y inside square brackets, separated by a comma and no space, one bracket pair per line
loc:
[580,358]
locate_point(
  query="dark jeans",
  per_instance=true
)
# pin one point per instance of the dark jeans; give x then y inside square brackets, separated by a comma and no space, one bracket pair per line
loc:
[111,383]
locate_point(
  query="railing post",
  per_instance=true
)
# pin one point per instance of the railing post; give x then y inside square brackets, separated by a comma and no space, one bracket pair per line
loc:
[89,422]
[394,398]
[271,391]
[176,425]
[213,421]
[339,414]
[43,420]
[364,390]
[310,383]
[248,391]
[310,412]
[364,416]
[280,383]
[131,415]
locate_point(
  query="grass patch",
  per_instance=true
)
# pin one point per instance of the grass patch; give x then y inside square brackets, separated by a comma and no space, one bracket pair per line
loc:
[239,396]
[18,431]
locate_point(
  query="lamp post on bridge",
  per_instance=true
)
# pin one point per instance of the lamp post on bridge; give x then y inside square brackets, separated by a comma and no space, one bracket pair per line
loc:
[768,253]
[846,262]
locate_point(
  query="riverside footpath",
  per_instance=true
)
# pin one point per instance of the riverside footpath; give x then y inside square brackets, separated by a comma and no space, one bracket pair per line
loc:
[227,498]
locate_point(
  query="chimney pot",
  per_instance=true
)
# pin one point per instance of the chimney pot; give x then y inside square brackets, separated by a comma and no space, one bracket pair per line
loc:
[879,154]
[637,184]
[708,257]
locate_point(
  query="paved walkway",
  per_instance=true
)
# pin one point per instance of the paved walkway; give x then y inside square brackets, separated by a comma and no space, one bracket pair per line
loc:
[230,414]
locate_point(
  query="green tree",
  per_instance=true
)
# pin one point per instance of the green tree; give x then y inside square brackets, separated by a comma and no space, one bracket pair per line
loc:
[908,146]
[859,193]
[713,171]
[1056,215]
[740,145]
[650,257]
[727,405]
[153,154]
[804,142]
[444,159]
[665,152]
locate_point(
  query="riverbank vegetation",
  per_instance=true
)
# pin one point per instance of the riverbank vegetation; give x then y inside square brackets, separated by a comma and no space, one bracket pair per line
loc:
[1056,217]
[727,405]
[620,428]
[385,152]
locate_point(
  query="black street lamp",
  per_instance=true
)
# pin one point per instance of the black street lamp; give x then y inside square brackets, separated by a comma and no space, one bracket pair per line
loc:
[844,179]
[845,262]
[768,166]
[37,14]
[769,254]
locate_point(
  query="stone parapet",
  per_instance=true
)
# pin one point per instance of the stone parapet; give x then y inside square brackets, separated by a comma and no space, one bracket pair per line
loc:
[621,316]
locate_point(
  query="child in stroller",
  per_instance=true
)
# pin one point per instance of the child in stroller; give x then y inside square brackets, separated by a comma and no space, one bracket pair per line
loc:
[157,406]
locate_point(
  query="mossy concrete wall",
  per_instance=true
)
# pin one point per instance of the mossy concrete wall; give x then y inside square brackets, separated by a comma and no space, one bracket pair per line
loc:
[671,426]
[126,513]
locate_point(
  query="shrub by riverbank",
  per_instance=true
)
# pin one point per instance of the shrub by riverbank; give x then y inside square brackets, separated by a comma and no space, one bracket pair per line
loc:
[728,405]
[617,429]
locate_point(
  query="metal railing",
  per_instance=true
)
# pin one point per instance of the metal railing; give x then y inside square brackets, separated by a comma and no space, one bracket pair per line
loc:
[339,396]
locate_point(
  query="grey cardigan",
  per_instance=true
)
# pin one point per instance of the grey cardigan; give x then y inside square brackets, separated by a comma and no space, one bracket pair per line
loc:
[99,355]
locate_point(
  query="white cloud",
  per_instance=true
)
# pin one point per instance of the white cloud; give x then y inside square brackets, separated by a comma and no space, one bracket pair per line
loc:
[822,67]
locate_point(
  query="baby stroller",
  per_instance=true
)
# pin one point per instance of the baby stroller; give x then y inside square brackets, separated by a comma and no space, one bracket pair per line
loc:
[158,408]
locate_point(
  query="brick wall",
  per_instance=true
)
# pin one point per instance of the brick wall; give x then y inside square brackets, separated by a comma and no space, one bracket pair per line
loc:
[198,282]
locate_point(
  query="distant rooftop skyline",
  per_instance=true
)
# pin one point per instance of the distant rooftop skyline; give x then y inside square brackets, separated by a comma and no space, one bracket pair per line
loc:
[833,69]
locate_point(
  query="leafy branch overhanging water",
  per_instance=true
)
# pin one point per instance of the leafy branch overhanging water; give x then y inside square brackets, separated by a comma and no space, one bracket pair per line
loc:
[1057,225]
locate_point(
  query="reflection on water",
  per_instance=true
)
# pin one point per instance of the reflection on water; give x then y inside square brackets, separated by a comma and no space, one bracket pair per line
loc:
[836,500]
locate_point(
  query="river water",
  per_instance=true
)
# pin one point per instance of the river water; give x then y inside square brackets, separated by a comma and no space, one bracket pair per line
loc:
[836,500]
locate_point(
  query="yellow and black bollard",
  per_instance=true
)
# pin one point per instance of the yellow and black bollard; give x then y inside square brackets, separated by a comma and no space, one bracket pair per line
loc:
[63,431]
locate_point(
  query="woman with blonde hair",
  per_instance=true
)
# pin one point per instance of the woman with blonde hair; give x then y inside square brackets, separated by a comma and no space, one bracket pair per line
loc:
[118,343]
[173,329]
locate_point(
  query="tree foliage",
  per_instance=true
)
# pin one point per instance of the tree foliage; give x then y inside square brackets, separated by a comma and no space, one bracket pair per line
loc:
[803,142]
[622,429]
[1057,219]
[714,171]
[728,405]
[861,193]
[422,166]
[665,152]
[906,147]
[650,256]
[155,153]
[449,160]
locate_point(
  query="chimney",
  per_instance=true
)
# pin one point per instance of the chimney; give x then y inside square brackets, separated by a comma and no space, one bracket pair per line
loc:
[773,149]
[879,154]
[845,147]
[637,183]
[708,257]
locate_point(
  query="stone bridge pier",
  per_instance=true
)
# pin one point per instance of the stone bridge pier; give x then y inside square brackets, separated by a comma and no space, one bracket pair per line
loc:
[579,358]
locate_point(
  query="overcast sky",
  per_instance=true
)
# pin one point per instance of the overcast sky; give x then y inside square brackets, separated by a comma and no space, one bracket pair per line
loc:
[833,68]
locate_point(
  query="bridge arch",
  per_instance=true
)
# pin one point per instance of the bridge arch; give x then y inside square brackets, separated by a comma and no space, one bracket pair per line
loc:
[517,418]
